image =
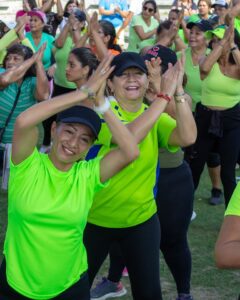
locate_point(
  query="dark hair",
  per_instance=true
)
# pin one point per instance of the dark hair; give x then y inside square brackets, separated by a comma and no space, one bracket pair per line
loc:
[175,10]
[108,29]
[87,58]
[25,52]
[3,29]
[154,4]
[164,25]
[65,12]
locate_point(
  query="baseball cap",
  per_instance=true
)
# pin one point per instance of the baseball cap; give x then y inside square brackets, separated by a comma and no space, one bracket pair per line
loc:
[221,3]
[39,14]
[217,31]
[79,14]
[127,60]
[203,25]
[167,56]
[81,115]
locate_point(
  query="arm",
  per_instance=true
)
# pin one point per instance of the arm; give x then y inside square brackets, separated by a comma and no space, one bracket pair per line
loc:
[126,22]
[144,35]
[126,152]
[122,13]
[42,87]
[47,6]
[60,41]
[185,132]
[16,73]
[105,12]
[59,9]
[25,131]
[227,248]
[100,46]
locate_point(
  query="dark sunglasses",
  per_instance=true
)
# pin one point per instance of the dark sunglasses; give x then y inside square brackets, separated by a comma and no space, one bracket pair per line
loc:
[148,9]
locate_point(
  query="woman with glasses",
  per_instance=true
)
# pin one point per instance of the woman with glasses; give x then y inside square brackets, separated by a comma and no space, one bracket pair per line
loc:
[143,26]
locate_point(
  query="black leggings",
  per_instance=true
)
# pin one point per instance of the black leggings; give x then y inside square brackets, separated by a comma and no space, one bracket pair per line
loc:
[175,204]
[57,91]
[139,246]
[228,146]
[79,290]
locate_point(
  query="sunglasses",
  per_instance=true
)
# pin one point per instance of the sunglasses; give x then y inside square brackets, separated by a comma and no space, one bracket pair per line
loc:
[150,10]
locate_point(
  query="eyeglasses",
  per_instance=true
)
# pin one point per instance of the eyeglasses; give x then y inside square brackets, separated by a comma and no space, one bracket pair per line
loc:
[150,10]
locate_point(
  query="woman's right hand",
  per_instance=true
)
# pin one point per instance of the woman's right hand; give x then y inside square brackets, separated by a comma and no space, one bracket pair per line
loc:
[101,74]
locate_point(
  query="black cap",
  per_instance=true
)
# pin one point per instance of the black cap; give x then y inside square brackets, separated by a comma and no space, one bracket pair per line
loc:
[80,15]
[127,60]
[82,115]
[203,25]
[167,56]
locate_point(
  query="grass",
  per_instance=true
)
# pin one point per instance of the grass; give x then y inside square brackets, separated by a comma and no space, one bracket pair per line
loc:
[208,283]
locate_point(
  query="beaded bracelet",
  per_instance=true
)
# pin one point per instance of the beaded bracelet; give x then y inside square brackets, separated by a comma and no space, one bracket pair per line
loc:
[164,96]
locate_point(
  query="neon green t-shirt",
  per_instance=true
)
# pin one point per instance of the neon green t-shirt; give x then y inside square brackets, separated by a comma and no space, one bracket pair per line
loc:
[134,39]
[47,214]
[129,198]
[220,90]
[61,58]
[194,82]
[233,207]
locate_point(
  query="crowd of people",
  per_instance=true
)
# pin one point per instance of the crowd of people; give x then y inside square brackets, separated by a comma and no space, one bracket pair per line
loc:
[132,106]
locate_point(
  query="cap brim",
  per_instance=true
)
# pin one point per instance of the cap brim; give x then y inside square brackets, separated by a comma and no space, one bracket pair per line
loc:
[131,64]
[80,121]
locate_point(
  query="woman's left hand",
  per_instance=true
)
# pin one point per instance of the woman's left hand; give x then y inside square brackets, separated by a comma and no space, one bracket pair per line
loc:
[38,56]
[154,74]
[181,71]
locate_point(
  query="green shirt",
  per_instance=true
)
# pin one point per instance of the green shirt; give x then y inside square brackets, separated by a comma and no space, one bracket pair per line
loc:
[47,54]
[61,57]
[47,214]
[134,39]
[220,90]
[7,98]
[233,207]
[129,199]
[194,82]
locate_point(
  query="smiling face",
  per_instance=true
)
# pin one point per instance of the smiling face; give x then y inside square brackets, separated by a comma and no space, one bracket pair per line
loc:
[196,38]
[36,24]
[71,142]
[131,85]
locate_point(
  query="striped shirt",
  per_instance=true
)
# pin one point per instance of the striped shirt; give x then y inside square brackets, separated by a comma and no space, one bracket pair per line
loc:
[7,98]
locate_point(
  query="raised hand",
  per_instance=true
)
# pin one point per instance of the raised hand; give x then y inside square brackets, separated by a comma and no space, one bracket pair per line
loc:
[154,74]
[38,56]
[180,70]
[101,74]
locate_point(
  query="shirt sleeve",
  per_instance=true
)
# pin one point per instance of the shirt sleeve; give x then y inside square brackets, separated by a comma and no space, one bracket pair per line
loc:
[234,204]
[7,39]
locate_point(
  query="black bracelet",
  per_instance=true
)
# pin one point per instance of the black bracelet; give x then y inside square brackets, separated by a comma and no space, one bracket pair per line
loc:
[234,48]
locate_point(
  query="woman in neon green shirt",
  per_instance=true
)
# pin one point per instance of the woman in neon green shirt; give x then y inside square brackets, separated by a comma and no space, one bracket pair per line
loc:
[126,211]
[218,115]
[44,253]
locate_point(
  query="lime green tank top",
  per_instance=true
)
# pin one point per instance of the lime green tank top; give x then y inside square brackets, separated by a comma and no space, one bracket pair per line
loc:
[220,90]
